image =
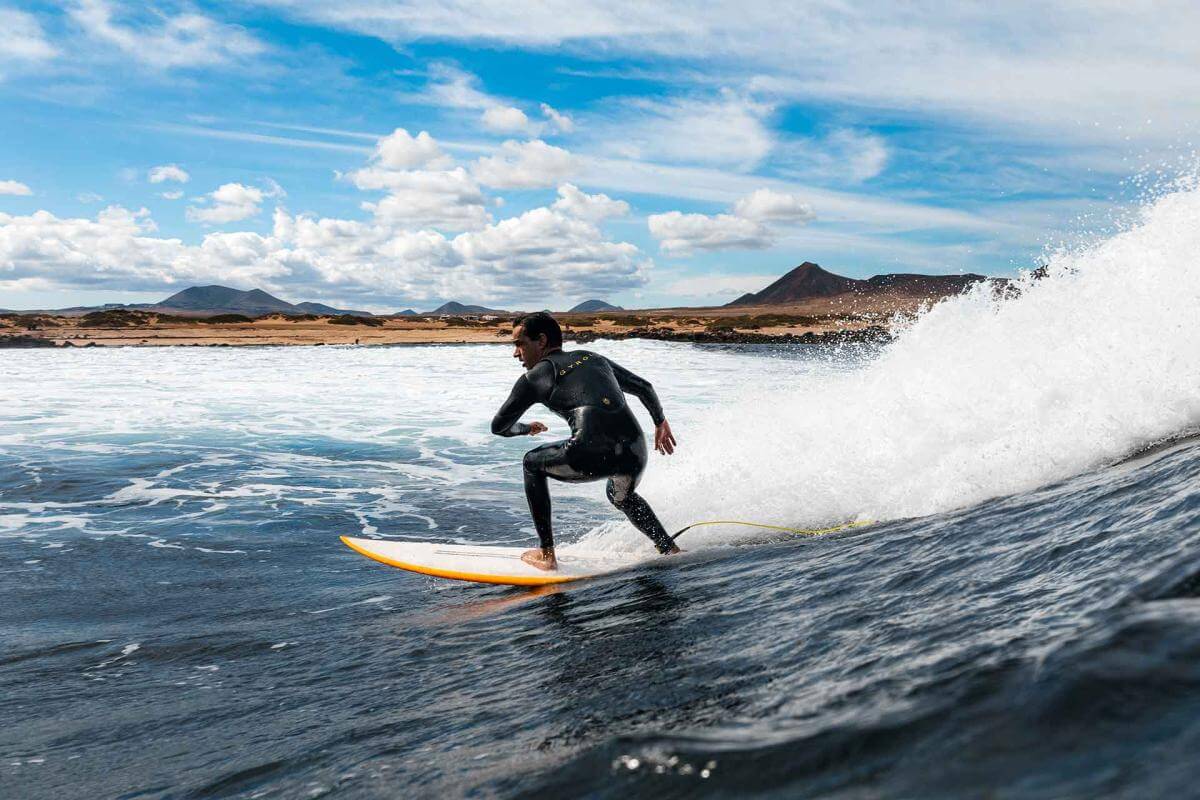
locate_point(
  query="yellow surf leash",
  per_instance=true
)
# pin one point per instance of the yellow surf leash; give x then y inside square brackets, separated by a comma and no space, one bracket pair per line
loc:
[799,531]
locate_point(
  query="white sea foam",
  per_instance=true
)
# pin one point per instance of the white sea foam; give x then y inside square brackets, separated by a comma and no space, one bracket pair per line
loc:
[981,396]
[126,651]
[370,601]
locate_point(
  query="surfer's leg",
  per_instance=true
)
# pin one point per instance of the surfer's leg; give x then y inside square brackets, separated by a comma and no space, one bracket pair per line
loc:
[621,493]
[547,461]
[537,492]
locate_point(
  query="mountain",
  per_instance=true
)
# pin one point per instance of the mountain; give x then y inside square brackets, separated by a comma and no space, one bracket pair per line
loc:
[589,306]
[224,300]
[201,301]
[255,302]
[458,308]
[809,280]
[79,311]
[805,281]
[321,308]
[408,312]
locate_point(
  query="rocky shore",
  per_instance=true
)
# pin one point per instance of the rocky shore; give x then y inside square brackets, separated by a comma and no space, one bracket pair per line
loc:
[873,334]
[24,341]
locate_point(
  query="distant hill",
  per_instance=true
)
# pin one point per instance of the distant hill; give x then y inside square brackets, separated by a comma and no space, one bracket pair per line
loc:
[408,312]
[809,280]
[224,300]
[590,306]
[458,308]
[321,308]
[205,301]
[805,281]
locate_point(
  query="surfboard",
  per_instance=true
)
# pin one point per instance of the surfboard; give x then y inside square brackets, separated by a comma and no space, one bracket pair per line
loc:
[503,565]
[485,563]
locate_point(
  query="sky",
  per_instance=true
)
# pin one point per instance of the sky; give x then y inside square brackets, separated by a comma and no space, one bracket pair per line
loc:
[382,156]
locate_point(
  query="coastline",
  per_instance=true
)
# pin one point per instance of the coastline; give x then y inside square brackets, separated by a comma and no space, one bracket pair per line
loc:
[251,335]
[817,324]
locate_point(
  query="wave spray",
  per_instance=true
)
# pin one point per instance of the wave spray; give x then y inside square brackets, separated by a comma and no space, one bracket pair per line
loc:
[984,394]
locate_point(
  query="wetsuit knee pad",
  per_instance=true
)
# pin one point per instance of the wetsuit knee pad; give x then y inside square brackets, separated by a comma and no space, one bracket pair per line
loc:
[531,462]
[618,490]
[540,459]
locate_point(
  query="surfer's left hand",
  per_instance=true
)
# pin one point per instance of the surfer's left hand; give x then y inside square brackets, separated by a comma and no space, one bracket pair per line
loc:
[536,427]
[664,440]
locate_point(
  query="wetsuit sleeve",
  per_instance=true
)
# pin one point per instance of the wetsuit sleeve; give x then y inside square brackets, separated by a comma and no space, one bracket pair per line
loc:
[641,389]
[522,397]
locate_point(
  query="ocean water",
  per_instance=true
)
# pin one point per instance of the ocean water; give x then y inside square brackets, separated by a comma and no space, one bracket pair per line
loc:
[1022,620]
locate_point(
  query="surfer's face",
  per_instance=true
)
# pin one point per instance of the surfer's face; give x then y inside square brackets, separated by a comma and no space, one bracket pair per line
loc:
[527,351]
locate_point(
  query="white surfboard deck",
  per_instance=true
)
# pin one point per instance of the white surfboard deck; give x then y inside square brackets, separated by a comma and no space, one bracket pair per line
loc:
[487,563]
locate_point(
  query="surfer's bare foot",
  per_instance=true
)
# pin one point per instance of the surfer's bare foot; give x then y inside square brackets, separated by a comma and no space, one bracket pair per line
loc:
[541,559]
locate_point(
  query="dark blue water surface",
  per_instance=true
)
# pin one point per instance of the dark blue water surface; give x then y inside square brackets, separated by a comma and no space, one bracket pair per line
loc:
[1045,644]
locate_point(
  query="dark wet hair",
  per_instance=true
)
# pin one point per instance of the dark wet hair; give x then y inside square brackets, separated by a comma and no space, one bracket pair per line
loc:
[540,322]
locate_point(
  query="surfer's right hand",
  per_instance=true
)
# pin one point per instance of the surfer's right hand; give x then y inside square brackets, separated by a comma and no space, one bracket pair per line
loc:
[664,440]
[536,427]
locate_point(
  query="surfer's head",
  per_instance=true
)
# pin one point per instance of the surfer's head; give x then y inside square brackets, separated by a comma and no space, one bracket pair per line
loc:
[534,335]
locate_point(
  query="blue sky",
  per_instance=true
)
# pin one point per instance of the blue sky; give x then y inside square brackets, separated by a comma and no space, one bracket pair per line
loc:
[385,156]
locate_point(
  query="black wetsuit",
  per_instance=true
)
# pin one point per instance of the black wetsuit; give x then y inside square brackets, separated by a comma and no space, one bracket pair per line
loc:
[588,391]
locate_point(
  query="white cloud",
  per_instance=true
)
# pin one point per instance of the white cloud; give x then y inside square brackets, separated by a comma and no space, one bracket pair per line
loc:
[165,42]
[707,184]
[22,38]
[232,202]
[727,130]
[561,122]
[273,188]
[843,155]
[401,150]
[543,252]
[89,197]
[451,87]
[115,251]
[1118,64]
[261,138]
[710,185]
[174,195]
[505,119]
[418,198]
[592,207]
[524,165]
[15,187]
[449,199]
[866,155]
[169,172]
[547,24]
[538,254]
[682,234]
[767,205]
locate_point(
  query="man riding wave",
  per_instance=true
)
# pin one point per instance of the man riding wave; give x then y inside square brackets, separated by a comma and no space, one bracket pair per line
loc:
[588,391]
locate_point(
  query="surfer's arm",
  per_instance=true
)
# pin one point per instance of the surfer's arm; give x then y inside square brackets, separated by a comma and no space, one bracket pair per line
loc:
[641,389]
[522,397]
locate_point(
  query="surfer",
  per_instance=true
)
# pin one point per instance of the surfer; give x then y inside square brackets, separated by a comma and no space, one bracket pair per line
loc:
[588,391]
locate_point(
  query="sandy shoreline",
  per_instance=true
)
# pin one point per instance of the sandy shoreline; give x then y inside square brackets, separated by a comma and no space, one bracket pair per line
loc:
[813,323]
